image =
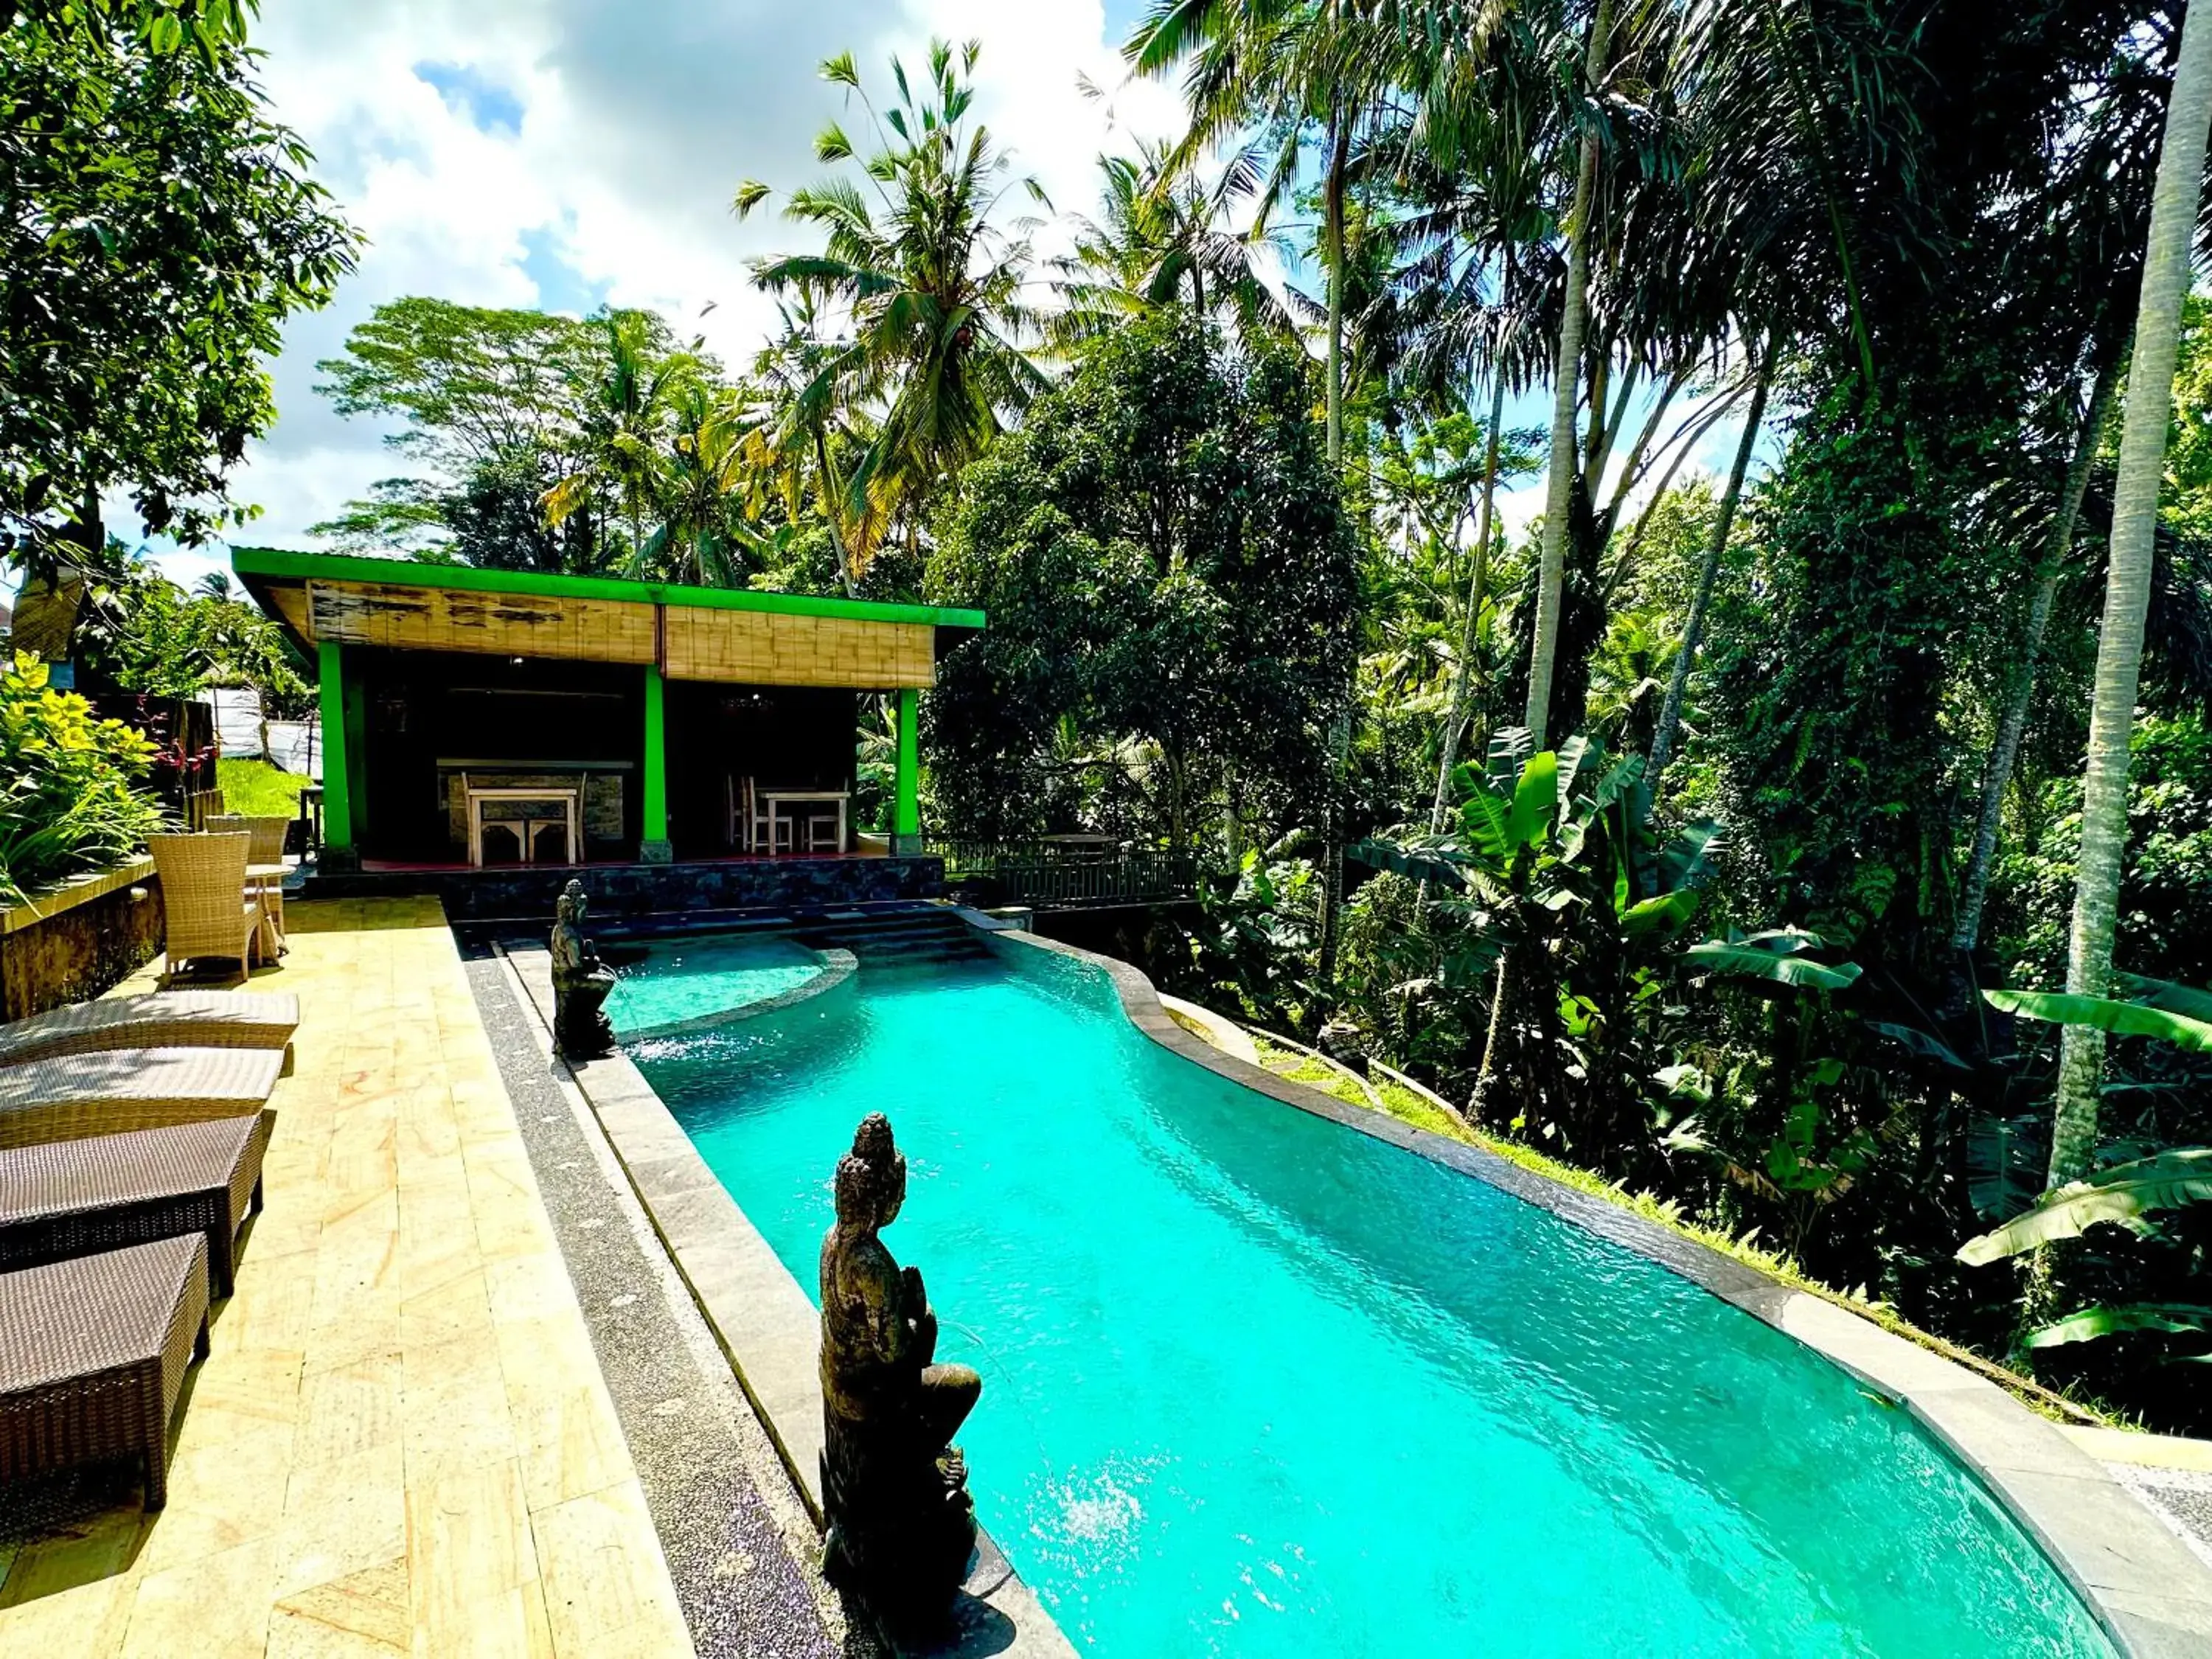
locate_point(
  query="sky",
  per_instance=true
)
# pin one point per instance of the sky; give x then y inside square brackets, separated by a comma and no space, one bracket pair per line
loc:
[564,154]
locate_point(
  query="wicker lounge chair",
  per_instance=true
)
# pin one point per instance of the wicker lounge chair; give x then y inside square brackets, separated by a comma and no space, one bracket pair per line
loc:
[93,1355]
[203,896]
[72,1198]
[123,1089]
[159,1019]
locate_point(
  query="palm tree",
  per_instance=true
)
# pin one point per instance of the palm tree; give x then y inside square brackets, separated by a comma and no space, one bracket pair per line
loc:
[1291,68]
[214,584]
[629,401]
[1566,394]
[933,285]
[2127,594]
[1159,233]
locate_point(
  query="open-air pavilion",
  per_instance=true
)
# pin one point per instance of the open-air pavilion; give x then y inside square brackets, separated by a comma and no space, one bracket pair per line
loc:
[475,717]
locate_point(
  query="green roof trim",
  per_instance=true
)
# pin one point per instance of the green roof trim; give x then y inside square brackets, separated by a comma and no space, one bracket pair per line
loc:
[275,564]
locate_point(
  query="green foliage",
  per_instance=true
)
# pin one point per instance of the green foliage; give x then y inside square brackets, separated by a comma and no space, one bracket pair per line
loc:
[69,795]
[161,230]
[1169,579]
[2165,926]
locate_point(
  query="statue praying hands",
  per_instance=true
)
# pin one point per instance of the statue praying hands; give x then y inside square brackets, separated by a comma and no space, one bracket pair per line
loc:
[895,1489]
[581,1030]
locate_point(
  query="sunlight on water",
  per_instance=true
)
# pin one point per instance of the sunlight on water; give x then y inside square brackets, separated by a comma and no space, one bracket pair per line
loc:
[1257,1385]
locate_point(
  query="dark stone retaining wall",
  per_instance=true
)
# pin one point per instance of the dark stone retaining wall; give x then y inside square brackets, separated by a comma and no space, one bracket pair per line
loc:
[632,891]
[76,951]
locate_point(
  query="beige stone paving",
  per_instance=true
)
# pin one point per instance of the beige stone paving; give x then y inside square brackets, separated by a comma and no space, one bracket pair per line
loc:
[402,1442]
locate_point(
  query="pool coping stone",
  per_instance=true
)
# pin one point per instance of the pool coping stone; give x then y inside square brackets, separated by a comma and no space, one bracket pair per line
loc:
[765,1324]
[2148,1589]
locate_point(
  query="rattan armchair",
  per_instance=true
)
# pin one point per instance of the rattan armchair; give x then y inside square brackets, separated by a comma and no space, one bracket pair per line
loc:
[203,894]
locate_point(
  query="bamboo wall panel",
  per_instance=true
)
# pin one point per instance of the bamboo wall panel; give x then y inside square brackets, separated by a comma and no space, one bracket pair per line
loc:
[731,647]
[449,619]
[761,647]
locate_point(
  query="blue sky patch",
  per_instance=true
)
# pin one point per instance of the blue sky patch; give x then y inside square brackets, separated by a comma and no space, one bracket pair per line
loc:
[487,104]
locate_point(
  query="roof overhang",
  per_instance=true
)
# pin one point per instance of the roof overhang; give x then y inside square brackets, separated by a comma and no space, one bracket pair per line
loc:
[728,635]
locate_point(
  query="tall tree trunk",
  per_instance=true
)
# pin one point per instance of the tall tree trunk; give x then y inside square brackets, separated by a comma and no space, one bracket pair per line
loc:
[1693,629]
[1339,156]
[1463,670]
[1332,881]
[2020,693]
[831,488]
[1566,383]
[2127,593]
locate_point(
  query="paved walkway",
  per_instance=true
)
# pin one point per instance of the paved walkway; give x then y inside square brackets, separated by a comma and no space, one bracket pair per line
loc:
[402,1442]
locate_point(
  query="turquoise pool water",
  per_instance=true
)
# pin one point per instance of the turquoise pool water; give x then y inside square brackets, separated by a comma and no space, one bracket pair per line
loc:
[1255,1384]
[683,981]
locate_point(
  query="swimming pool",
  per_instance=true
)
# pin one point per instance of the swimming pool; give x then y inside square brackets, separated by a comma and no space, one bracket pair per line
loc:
[1256,1384]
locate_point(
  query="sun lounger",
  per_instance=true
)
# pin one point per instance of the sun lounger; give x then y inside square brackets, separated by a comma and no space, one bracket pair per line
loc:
[159,1019]
[93,1355]
[73,1198]
[107,1093]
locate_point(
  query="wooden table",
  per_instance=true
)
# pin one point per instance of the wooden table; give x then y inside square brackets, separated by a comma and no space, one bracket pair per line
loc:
[267,880]
[773,798]
[566,799]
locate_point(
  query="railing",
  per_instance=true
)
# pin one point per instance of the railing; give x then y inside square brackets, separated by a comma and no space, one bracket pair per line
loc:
[1068,874]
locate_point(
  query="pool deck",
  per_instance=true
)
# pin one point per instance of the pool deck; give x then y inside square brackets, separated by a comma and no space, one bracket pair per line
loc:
[403,1441]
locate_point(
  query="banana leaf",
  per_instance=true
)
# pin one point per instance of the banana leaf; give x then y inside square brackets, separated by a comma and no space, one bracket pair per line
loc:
[1742,957]
[2124,1194]
[1536,802]
[1665,914]
[2006,1158]
[2120,1019]
[2174,1318]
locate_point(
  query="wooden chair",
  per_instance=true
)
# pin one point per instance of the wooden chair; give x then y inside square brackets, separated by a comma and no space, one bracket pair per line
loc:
[822,833]
[763,828]
[203,895]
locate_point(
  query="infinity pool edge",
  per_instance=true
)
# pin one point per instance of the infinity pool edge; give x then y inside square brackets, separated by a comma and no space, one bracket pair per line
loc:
[2146,1587]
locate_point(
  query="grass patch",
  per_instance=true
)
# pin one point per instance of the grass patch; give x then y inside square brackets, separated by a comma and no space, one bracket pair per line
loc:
[1294,1067]
[255,789]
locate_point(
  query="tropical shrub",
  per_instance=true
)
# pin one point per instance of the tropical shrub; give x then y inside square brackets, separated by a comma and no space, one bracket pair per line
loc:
[69,799]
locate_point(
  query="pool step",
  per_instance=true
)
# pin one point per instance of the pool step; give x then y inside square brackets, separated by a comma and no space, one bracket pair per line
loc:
[906,938]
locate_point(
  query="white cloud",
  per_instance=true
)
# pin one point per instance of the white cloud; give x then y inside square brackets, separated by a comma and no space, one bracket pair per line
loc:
[638,118]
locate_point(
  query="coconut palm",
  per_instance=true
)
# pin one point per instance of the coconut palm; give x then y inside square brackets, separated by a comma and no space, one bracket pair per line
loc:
[629,401]
[933,285]
[1161,238]
[2127,594]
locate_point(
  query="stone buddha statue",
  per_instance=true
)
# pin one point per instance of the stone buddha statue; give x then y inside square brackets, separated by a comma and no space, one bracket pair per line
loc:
[895,1488]
[581,981]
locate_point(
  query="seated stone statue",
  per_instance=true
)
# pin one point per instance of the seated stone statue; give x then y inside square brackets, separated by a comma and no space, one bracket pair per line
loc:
[581,982]
[895,1489]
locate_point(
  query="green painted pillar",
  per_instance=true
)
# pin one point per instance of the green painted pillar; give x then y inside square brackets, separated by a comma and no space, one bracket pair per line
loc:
[653,802]
[338,849]
[906,812]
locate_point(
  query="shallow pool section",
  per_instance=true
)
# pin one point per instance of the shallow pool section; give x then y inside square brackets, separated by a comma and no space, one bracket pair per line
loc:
[1257,1384]
[689,984]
